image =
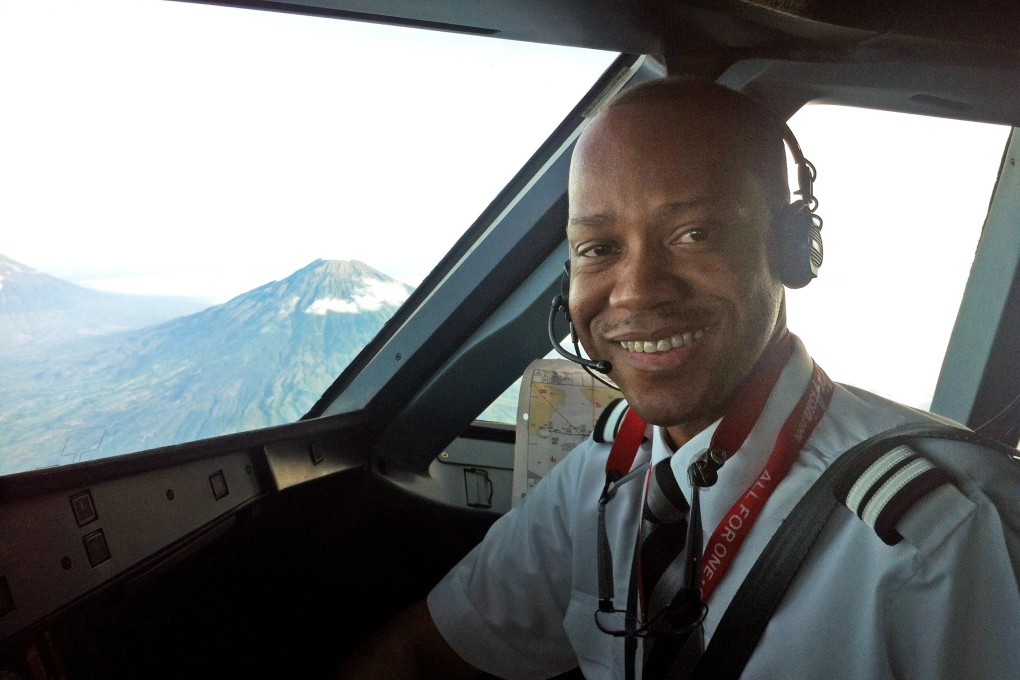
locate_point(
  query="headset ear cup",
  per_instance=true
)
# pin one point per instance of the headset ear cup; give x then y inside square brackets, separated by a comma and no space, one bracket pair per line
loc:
[799,252]
[565,300]
[565,289]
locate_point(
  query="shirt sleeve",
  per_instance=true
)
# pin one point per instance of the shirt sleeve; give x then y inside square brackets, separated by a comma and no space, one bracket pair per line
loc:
[958,615]
[502,607]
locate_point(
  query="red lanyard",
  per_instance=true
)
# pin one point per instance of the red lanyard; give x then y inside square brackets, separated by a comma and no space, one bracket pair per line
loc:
[735,525]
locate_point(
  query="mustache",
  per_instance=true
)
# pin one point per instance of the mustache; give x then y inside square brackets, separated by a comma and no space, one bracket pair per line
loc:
[687,319]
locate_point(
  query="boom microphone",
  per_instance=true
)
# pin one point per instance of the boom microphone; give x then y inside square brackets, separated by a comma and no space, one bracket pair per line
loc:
[559,305]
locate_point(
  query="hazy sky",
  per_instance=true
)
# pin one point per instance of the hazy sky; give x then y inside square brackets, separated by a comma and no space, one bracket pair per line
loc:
[157,146]
[163,147]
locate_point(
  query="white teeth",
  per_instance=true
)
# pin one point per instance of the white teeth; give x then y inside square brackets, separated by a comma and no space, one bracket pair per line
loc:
[650,347]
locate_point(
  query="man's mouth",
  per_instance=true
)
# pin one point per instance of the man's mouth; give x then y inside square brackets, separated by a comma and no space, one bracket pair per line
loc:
[665,344]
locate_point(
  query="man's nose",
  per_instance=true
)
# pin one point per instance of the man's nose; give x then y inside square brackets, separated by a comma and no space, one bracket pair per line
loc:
[646,280]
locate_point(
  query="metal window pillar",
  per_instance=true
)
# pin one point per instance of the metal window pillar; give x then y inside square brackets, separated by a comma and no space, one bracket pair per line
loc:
[980,374]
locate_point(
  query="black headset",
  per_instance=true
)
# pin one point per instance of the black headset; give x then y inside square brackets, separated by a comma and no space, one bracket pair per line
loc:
[560,304]
[799,230]
[798,253]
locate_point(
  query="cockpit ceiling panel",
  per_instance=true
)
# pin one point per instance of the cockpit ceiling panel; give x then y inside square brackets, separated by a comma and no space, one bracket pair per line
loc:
[992,23]
[985,30]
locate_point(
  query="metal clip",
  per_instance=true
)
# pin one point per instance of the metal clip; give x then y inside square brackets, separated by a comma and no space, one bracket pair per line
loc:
[704,469]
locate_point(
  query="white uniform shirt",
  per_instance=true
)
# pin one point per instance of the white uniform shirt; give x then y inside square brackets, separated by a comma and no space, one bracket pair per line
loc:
[943,603]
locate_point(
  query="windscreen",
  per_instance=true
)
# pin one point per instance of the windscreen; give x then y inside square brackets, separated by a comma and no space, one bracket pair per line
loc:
[207,211]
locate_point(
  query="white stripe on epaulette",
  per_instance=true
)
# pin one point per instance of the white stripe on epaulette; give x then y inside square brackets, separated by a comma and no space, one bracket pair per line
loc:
[874,472]
[887,492]
[889,486]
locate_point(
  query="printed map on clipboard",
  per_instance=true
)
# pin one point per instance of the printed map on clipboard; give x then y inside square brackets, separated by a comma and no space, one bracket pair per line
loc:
[556,410]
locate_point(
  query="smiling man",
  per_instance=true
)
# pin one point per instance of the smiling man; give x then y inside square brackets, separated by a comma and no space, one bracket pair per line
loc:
[680,244]
[670,271]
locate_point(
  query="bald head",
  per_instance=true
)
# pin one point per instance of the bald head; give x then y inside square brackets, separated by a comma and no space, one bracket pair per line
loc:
[741,129]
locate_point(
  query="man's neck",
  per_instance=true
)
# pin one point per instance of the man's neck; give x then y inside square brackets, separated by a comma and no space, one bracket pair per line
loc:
[676,436]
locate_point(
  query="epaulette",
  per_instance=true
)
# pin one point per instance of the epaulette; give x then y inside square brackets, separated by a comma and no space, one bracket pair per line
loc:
[882,485]
[610,420]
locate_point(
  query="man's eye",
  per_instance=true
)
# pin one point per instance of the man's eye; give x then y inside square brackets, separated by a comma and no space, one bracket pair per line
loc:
[695,235]
[599,250]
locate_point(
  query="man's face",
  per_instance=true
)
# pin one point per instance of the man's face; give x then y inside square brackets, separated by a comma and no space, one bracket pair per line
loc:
[670,275]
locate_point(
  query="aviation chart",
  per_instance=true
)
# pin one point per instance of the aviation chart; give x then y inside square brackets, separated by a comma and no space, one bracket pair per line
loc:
[556,410]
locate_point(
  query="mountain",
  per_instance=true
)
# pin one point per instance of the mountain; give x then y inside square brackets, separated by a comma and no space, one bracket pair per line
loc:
[260,359]
[36,308]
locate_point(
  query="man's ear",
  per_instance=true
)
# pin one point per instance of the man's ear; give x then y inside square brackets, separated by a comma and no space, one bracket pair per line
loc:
[565,288]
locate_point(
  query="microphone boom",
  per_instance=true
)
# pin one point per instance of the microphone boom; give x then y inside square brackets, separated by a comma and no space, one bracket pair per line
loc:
[600,365]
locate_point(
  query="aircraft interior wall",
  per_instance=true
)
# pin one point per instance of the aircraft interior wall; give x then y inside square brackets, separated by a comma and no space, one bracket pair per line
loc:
[284,591]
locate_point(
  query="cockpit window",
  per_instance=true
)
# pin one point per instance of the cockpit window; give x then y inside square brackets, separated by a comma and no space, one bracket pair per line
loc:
[904,198]
[209,211]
